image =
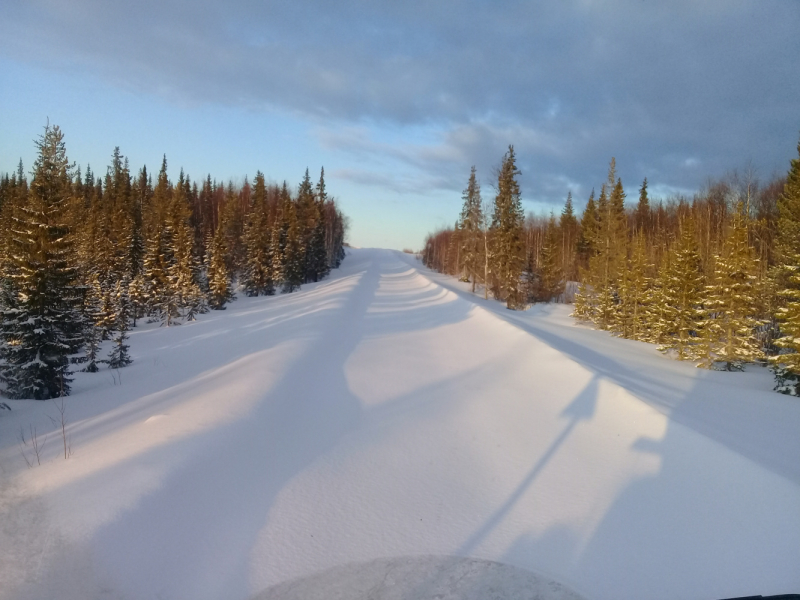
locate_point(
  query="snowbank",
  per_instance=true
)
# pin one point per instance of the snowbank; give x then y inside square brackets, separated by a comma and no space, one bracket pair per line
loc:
[386,412]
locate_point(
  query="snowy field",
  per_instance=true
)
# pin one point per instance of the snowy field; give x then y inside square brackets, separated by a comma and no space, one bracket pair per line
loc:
[386,416]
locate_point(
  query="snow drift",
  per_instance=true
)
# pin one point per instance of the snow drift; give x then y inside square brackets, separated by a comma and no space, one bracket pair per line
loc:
[386,412]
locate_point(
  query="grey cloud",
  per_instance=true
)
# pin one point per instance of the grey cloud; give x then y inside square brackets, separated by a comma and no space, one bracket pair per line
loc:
[658,85]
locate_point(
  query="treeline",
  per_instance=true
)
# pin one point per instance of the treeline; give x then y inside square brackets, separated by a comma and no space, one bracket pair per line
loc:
[715,278]
[518,259]
[487,244]
[84,257]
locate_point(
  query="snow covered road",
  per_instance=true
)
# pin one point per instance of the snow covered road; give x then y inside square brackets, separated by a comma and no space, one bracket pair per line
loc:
[386,412]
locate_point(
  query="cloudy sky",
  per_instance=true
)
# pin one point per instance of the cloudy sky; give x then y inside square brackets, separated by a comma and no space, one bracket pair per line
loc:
[398,99]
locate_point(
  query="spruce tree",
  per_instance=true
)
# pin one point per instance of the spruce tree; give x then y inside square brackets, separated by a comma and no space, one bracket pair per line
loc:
[219,288]
[787,280]
[186,297]
[105,318]
[612,174]
[15,196]
[280,231]
[317,253]
[682,296]
[257,278]
[138,298]
[43,326]
[320,263]
[98,321]
[642,212]
[587,241]
[118,207]
[585,299]
[278,243]
[206,215]
[87,223]
[141,195]
[584,302]
[729,330]
[551,277]
[306,215]
[618,225]
[119,356]
[294,255]
[508,250]
[630,319]
[157,256]
[568,229]
[338,234]
[471,223]
[601,276]
[232,223]
[612,250]
[656,313]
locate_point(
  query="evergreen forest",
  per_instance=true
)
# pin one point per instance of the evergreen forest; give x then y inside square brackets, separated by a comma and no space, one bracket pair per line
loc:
[714,278]
[84,257]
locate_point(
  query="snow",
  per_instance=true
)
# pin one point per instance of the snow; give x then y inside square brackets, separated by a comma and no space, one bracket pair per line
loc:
[386,421]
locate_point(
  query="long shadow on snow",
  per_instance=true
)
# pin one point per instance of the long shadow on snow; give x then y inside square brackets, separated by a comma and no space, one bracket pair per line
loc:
[320,302]
[730,530]
[158,381]
[160,391]
[215,504]
[697,528]
[219,524]
[723,534]
[777,451]
[764,432]
[582,408]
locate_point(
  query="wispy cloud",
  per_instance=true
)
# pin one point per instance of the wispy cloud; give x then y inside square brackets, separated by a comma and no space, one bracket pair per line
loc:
[401,184]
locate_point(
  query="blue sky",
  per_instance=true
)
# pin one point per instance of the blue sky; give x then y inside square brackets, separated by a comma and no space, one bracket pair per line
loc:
[397,101]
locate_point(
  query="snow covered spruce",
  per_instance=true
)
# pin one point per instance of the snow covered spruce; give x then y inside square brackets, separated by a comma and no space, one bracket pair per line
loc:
[83,258]
[715,280]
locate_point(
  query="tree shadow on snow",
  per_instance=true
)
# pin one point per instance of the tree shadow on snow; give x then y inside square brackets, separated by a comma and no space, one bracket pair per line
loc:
[582,408]
[190,534]
[699,527]
[758,424]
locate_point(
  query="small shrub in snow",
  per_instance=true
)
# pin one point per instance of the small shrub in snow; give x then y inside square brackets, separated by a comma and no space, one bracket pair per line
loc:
[786,381]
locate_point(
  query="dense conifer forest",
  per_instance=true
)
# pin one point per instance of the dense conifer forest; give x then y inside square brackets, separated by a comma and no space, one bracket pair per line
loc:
[85,257]
[714,278]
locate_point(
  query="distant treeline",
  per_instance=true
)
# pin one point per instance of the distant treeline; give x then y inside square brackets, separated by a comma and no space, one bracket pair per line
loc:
[84,257]
[714,278]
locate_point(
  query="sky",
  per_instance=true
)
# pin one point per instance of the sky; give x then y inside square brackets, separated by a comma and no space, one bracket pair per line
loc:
[397,100]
